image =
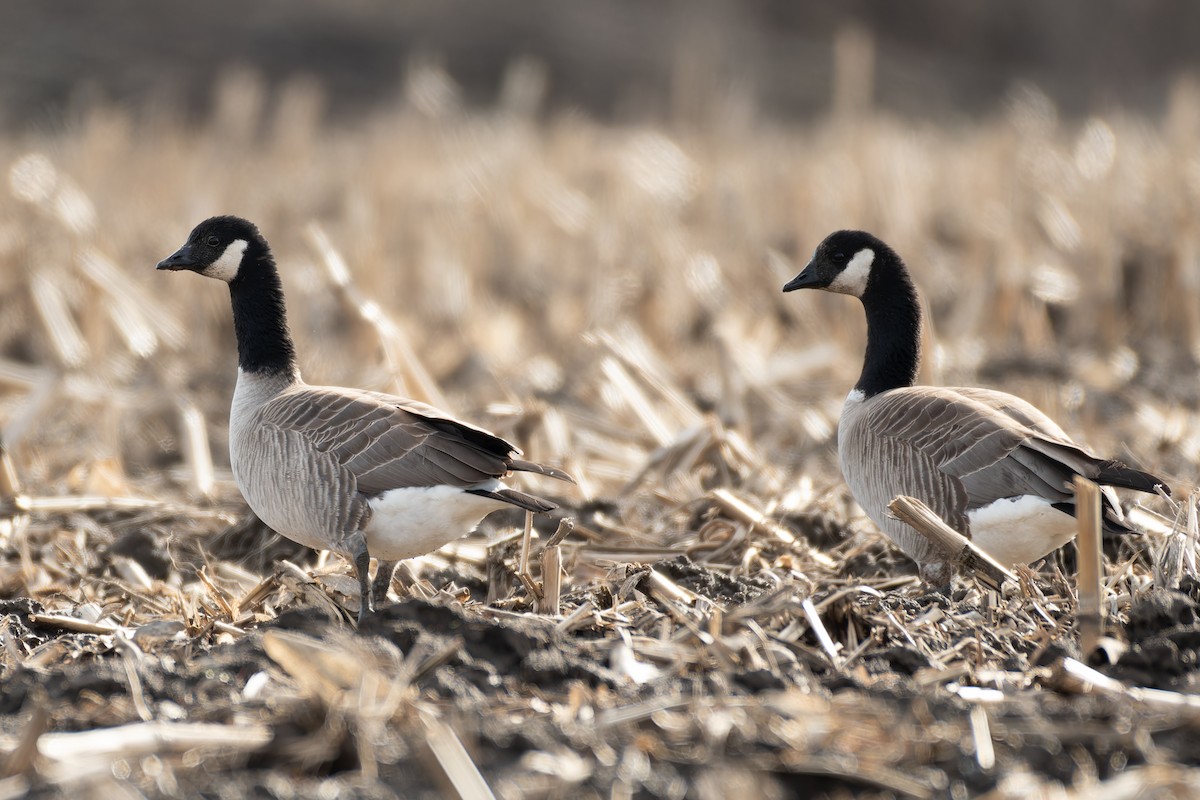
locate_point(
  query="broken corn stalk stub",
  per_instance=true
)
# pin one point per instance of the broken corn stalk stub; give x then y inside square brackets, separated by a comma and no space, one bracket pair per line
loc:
[1089,586]
[959,549]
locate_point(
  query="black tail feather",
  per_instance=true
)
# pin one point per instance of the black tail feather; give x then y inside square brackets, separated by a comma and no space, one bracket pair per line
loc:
[1112,522]
[518,499]
[1123,476]
[517,465]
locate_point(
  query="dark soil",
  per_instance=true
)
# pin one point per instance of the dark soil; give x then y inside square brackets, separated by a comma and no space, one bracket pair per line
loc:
[541,709]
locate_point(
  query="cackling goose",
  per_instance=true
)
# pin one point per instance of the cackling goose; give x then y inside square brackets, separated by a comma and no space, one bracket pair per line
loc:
[358,472]
[995,468]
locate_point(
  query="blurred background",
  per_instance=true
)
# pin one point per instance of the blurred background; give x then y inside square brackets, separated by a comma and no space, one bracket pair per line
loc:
[619,60]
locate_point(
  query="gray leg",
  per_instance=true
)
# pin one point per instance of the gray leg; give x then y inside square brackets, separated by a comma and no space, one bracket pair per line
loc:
[938,575]
[383,580]
[939,579]
[357,545]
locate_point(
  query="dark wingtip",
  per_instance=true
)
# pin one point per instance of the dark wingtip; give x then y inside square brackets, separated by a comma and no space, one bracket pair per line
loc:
[1117,473]
[517,465]
[519,499]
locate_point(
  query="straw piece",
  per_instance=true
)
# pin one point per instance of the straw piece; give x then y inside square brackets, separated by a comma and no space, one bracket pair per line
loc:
[20,760]
[86,503]
[10,483]
[1149,521]
[575,618]
[823,637]
[257,595]
[133,573]
[14,788]
[454,760]
[551,580]
[20,375]
[144,738]
[637,402]
[634,712]
[960,551]
[215,592]
[130,654]
[127,301]
[420,385]
[680,615]
[318,667]
[50,302]
[1090,613]
[1193,534]
[660,586]
[566,526]
[630,345]
[195,447]
[985,753]
[41,399]
[523,572]
[526,543]
[74,623]
[743,512]
[425,665]
[1071,675]
[852,769]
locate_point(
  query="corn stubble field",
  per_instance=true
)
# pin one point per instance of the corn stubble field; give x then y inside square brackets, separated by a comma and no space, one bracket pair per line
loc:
[609,297]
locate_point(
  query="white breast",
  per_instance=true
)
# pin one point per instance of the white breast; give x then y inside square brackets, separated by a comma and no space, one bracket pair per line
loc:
[414,521]
[1020,530]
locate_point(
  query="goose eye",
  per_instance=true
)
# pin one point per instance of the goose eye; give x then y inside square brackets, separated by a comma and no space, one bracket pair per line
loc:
[213,241]
[839,258]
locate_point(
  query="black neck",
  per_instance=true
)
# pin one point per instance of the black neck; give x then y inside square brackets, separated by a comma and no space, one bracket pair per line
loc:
[259,317]
[893,331]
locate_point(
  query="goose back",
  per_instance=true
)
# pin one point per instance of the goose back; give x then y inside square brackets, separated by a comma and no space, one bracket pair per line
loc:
[386,442]
[309,459]
[960,451]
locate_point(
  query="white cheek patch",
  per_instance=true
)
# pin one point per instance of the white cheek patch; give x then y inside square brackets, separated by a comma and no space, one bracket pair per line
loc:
[226,267]
[853,279]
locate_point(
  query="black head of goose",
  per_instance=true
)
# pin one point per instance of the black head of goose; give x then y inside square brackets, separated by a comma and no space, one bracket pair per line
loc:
[361,473]
[994,467]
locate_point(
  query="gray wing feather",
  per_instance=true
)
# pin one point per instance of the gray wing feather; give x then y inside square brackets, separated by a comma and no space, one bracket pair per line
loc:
[994,444]
[962,449]
[985,447]
[386,442]
[1022,411]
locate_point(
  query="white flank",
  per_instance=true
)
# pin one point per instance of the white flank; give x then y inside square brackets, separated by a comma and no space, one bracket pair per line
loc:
[226,267]
[414,521]
[1020,530]
[853,279]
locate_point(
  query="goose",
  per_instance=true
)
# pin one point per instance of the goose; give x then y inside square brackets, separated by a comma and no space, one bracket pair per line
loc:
[357,472]
[994,467]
